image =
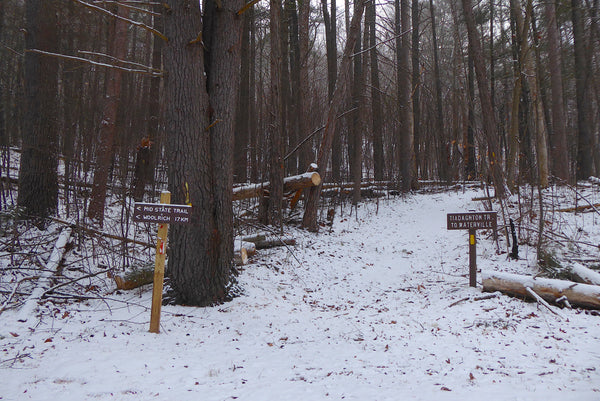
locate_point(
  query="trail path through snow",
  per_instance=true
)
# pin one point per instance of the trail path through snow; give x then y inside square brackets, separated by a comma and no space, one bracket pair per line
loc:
[361,312]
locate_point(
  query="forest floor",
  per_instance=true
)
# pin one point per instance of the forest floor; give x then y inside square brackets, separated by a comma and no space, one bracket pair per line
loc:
[376,307]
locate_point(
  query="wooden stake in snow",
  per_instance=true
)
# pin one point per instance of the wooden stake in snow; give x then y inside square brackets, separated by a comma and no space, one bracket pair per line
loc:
[162,213]
[44,281]
[159,267]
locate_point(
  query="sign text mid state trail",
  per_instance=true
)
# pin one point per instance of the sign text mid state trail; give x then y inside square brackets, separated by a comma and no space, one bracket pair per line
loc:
[162,213]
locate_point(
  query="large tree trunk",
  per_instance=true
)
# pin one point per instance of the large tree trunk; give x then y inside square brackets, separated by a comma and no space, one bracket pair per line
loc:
[356,128]
[275,120]
[243,107]
[306,152]
[585,143]
[294,113]
[199,111]
[332,75]
[444,161]
[405,129]
[108,126]
[377,113]
[309,220]
[38,177]
[488,115]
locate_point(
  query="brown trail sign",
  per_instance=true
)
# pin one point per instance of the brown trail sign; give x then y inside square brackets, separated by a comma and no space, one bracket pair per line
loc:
[164,214]
[472,222]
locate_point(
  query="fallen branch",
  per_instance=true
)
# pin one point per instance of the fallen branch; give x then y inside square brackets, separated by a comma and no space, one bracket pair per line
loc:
[583,295]
[44,280]
[579,208]
[582,274]
[14,291]
[50,290]
[290,184]
[541,301]
[102,234]
[136,23]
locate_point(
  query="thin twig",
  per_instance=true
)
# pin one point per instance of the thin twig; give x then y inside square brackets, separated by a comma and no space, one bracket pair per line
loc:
[85,60]
[136,23]
[51,289]
[112,58]
[127,4]
[14,291]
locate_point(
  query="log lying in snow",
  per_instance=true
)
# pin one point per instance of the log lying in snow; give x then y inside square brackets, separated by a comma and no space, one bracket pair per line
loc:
[45,279]
[242,250]
[263,240]
[273,241]
[290,184]
[584,295]
[582,274]
[134,278]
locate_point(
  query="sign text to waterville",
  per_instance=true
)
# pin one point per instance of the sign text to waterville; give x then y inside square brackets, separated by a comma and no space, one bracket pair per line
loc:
[162,213]
[472,221]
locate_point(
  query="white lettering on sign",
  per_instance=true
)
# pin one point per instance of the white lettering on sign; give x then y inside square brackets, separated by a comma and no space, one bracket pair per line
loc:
[468,221]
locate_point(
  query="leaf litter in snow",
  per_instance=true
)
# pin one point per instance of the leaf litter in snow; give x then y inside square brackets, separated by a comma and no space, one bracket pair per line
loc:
[378,308]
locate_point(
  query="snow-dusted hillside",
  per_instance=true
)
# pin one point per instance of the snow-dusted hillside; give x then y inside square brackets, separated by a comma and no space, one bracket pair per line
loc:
[365,311]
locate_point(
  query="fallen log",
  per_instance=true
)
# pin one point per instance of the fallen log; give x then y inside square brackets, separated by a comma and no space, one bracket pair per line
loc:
[242,250]
[579,208]
[274,241]
[290,184]
[134,277]
[582,274]
[584,295]
[45,278]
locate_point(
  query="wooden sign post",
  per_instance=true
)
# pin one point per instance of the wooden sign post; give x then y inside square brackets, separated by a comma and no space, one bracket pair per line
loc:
[472,222]
[162,213]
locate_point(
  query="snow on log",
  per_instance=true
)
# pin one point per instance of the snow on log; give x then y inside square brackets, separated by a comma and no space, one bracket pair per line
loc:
[274,241]
[45,279]
[250,247]
[134,277]
[584,295]
[290,184]
[582,274]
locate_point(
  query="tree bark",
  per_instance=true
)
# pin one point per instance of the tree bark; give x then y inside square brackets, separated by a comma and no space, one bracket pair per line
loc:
[332,75]
[243,107]
[377,113]
[488,115]
[108,125]
[306,152]
[585,143]
[199,120]
[276,120]
[444,162]
[38,176]
[405,128]
[355,130]
[309,220]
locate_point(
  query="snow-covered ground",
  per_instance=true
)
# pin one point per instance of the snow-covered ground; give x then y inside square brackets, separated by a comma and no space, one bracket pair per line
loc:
[365,311]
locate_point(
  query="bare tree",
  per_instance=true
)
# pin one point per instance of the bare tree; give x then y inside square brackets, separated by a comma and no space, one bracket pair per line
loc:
[488,115]
[309,220]
[405,127]
[585,143]
[108,125]
[377,112]
[38,176]
[199,120]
